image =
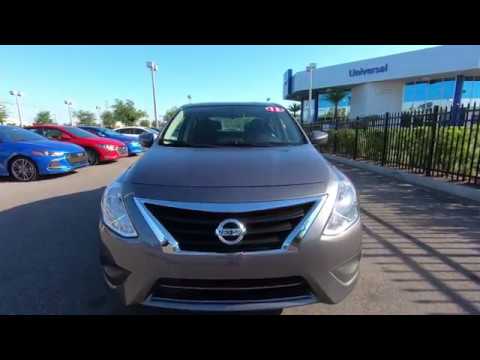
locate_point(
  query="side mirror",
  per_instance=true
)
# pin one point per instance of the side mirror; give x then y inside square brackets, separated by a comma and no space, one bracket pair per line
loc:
[319,137]
[146,140]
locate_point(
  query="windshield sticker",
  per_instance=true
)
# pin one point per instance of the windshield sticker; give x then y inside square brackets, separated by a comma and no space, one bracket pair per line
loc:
[274,109]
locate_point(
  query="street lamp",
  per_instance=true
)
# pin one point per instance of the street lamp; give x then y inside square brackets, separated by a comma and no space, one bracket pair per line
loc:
[18,94]
[189,97]
[268,99]
[310,68]
[69,104]
[98,108]
[153,67]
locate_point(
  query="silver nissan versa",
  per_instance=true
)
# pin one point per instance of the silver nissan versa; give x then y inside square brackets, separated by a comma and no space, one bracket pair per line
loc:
[231,209]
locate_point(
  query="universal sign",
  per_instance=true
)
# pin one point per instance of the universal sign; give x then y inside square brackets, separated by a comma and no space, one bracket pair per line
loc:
[369,71]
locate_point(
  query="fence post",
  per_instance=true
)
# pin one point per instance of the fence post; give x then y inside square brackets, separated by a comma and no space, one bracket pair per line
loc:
[355,148]
[428,170]
[385,138]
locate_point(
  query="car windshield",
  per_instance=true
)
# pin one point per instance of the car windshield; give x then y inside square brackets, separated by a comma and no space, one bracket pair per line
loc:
[108,132]
[14,134]
[237,125]
[79,132]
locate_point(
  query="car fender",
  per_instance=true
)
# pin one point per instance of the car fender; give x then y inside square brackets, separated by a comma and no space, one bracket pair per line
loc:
[16,155]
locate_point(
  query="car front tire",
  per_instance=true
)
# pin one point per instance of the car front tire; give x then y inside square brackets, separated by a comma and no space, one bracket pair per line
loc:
[23,169]
[93,158]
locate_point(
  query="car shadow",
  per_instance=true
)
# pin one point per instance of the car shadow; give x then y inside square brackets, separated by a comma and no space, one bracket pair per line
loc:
[426,242]
[7,179]
[49,260]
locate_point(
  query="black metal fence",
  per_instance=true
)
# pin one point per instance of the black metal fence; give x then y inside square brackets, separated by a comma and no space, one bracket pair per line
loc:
[442,142]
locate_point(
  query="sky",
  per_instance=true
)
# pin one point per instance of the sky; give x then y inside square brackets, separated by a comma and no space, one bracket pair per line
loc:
[96,75]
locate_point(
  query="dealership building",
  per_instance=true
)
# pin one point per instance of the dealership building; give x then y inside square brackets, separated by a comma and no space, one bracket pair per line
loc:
[442,75]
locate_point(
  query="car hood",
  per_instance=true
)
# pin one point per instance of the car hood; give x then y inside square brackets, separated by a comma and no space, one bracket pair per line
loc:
[100,140]
[230,167]
[122,138]
[51,145]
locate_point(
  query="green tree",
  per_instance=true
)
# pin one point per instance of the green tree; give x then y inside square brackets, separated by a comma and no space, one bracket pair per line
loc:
[294,108]
[145,123]
[126,113]
[335,97]
[170,113]
[107,119]
[85,117]
[44,117]
[3,114]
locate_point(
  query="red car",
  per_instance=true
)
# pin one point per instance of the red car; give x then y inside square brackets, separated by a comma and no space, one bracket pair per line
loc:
[98,149]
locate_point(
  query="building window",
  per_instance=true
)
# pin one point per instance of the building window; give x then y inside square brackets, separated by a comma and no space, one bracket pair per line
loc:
[471,90]
[424,95]
[326,108]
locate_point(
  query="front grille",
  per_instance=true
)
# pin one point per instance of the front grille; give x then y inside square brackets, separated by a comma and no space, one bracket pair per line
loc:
[76,158]
[195,230]
[238,290]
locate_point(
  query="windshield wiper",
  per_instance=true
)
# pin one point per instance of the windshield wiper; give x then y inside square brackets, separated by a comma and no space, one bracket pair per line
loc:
[185,144]
[262,144]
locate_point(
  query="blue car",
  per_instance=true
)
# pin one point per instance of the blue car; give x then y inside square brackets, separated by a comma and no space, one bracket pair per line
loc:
[133,145]
[25,155]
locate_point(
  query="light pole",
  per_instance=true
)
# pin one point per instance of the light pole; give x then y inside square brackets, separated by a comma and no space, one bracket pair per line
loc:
[69,105]
[310,68]
[98,108]
[18,94]
[189,97]
[153,67]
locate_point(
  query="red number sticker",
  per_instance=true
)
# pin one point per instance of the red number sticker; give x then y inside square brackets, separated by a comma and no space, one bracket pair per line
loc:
[274,109]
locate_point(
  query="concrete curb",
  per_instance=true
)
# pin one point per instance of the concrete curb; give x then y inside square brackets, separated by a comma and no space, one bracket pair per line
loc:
[452,189]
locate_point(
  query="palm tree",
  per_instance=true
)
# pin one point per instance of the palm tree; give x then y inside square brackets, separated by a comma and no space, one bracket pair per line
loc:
[3,114]
[335,97]
[294,108]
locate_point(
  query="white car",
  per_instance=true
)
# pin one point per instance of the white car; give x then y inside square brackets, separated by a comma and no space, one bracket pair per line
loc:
[136,131]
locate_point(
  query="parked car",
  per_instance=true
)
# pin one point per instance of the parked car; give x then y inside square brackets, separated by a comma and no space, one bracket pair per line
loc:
[25,155]
[133,145]
[231,209]
[158,130]
[98,149]
[135,131]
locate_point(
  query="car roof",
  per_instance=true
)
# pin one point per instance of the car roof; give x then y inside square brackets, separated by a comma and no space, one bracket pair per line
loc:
[10,127]
[48,125]
[131,127]
[187,106]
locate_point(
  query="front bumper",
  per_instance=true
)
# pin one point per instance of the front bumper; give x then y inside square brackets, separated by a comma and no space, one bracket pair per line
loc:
[50,165]
[134,148]
[105,155]
[133,268]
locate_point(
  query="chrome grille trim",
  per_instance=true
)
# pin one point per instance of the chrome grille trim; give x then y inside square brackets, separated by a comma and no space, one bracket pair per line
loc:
[165,238]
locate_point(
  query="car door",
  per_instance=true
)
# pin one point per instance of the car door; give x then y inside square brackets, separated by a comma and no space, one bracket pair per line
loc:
[38,131]
[130,132]
[53,134]
[4,155]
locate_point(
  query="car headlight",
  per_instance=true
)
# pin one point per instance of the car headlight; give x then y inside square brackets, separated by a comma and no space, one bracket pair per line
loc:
[47,153]
[114,212]
[108,147]
[345,212]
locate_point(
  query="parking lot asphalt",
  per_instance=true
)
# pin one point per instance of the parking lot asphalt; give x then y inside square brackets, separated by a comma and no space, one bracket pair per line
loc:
[421,248]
